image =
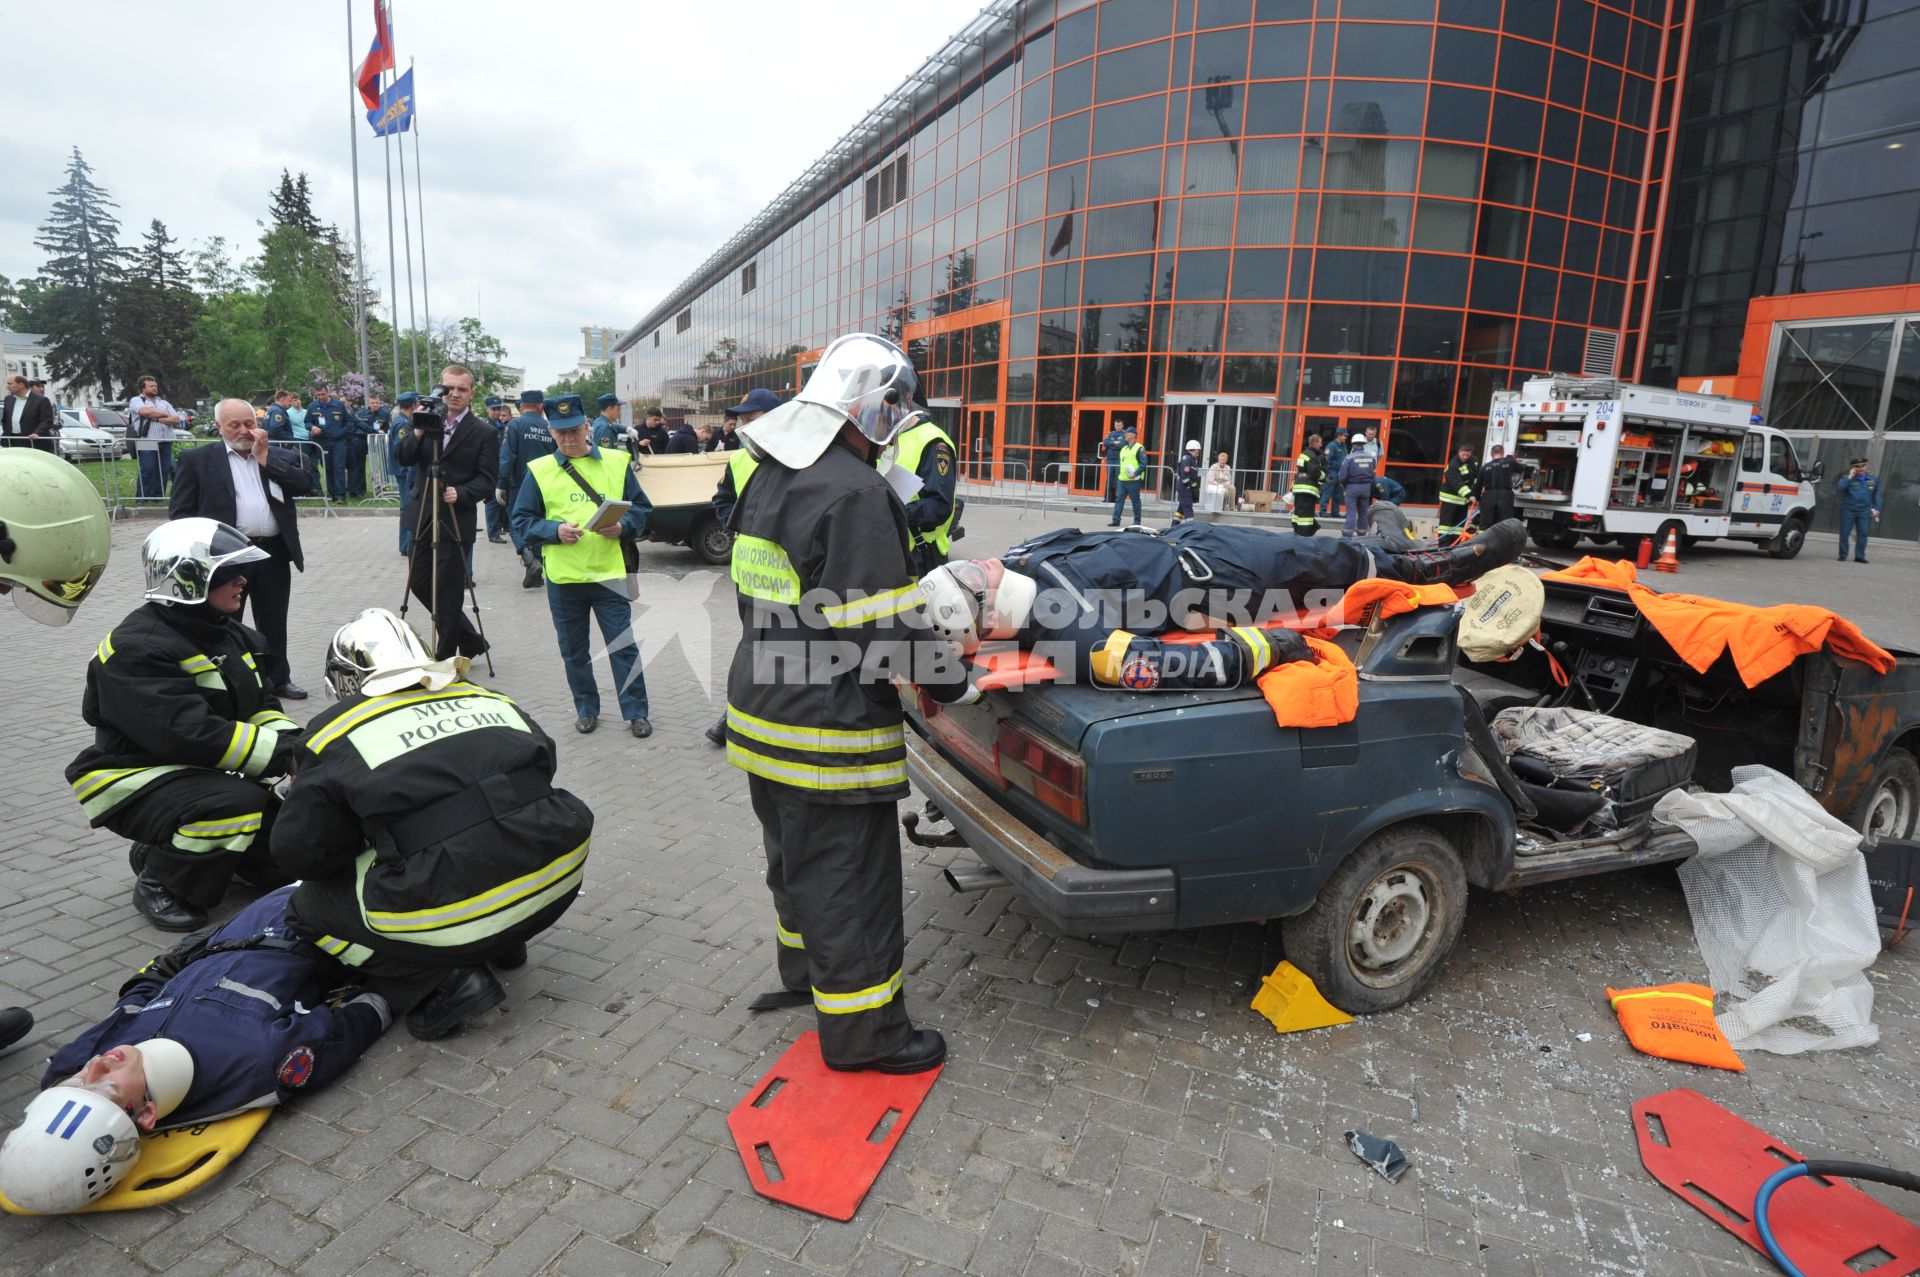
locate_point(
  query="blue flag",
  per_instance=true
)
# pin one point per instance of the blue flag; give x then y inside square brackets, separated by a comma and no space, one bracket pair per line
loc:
[395,112]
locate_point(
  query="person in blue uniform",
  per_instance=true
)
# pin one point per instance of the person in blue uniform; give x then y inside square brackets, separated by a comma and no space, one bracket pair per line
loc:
[526,437]
[1386,489]
[1859,491]
[1109,452]
[329,425]
[368,425]
[924,448]
[684,438]
[402,474]
[608,430]
[279,424]
[243,1017]
[1186,482]
[500,417]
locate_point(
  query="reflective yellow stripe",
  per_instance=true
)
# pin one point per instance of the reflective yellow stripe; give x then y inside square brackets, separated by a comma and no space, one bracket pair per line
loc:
[806,776]
[819,740]
[105,650]
[260,754]
[1107,658]
[486,902]
[791,939]
[351,954]
[99,792]
[761,570]
[239,747]
[1260,649]
[860,611]
[383,704]
[271,717]
[1663,993]
[198,664]
[232,825]
[862,1000]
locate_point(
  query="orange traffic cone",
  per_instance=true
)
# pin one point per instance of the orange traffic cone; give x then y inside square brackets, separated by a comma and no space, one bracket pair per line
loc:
[1669,560]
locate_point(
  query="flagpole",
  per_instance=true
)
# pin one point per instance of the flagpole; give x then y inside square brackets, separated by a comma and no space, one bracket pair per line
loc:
[420,203]
[393,270]
[406,239]
[359,262]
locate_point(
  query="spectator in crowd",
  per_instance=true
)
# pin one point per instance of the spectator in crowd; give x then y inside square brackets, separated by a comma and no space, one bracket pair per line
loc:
[330,426]
[279,425]
[245,482]
[150,422]
[402,474]
[27,418]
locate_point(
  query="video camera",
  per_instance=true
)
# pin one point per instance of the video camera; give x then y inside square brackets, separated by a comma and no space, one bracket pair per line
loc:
[431,412]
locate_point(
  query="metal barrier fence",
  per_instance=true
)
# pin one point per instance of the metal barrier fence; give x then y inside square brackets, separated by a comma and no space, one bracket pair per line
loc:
[118,480]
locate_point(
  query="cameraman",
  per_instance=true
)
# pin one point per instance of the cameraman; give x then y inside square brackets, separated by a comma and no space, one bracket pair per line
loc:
[468,465]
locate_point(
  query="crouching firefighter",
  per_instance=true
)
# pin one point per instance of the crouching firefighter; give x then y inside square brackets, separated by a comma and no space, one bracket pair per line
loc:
[821,559]
[242,1017]
[187,736]
[424,824]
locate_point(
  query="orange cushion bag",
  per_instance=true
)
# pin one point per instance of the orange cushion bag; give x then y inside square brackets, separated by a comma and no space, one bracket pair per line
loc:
[1675,1022]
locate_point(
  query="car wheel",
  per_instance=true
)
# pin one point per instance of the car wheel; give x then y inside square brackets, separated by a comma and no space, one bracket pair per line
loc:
[1792,536]
[1550,536]
[1892,802]
[1383,923]
[712,542]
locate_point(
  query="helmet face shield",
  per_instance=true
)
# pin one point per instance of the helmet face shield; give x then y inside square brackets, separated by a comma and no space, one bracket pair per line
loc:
[55,602]
[376,653]
[855,377]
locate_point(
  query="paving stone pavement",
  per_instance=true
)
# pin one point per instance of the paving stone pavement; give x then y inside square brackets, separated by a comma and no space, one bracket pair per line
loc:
[1111,1105]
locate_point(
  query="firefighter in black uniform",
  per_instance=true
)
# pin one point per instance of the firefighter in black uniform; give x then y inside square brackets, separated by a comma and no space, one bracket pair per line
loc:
[1495,492]
[1458,482]
[425,826]
[820,552]
[187,734]
[1309,473]
[740,467]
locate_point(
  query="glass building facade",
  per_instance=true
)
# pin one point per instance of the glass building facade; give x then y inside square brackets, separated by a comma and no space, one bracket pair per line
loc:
[1243,221]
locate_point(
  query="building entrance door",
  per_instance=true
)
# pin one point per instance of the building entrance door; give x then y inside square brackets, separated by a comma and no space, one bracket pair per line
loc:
[1342,426]
[977,444]
[1239,426]
[1090,426]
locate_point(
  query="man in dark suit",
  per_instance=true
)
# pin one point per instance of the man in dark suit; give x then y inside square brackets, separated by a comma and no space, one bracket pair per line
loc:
[469,467]
[245,482]
[27,419]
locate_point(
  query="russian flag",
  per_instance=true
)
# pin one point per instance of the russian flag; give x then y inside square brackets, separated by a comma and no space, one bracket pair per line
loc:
[379,58]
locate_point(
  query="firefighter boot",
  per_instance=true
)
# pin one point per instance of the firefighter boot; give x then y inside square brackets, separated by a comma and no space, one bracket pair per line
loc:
[925,1049]
[1467,561]
[469,992]
[162,908]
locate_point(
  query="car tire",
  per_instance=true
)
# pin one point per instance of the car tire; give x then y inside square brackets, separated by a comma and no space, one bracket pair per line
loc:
[1790,539]
[1890,809]
[1353,943]
[1550,536]
[712,542]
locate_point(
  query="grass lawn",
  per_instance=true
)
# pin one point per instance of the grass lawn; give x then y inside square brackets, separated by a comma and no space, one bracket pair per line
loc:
[122,477]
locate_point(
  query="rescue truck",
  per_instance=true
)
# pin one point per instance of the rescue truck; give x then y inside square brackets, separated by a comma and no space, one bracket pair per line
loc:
[1608,461]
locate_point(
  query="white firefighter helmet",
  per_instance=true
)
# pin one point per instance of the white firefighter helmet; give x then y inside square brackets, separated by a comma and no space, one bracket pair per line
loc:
[972,600]
[184,556]
[1193,445]
[54,534]
[862,379]
[376,653]
[69,1150]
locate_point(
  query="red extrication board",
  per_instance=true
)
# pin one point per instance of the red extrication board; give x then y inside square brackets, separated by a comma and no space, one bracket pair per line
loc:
[816,1138]
[1718,1162]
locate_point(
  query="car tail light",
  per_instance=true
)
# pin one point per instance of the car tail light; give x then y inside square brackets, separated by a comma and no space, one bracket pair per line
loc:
[1583,518]
[970,749]
[1054,777]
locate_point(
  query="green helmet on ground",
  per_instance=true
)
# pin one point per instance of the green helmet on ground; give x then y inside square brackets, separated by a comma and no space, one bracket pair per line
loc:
[54,534]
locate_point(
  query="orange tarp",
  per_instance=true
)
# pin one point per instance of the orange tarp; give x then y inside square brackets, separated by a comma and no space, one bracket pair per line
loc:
[1762,640]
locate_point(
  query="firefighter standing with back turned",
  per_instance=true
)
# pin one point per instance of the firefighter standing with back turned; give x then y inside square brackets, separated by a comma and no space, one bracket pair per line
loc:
[1457,485]
[1309,472]
[823,744]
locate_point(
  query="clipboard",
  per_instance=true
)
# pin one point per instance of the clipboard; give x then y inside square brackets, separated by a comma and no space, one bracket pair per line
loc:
[609,513]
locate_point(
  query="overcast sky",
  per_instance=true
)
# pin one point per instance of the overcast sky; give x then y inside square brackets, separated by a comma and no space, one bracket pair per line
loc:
[580,158]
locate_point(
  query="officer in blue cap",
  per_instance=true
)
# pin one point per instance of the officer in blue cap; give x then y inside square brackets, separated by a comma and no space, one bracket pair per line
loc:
[499,416]
[608,430]
[402,475]
[525,438]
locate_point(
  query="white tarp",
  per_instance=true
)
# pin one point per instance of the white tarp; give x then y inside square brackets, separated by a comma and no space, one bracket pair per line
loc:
[1781,912]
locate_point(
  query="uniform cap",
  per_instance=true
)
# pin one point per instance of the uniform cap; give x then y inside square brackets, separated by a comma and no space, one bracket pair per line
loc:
[564,412]
[759,399]
[407,399]
[495,401]
[608,401]
[530,398]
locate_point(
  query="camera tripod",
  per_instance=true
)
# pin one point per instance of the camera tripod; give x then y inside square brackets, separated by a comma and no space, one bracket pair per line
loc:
[434,489]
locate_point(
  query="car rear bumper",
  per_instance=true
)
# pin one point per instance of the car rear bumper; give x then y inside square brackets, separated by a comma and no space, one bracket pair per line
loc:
[1076,899]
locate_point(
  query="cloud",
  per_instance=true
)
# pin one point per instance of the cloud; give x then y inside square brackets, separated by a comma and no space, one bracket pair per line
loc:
[579,158]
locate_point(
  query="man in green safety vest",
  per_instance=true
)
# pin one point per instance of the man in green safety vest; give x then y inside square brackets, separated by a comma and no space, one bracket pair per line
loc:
[1457,483]
[561,510]
[926,451]
[1132,474]
[1309,472]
